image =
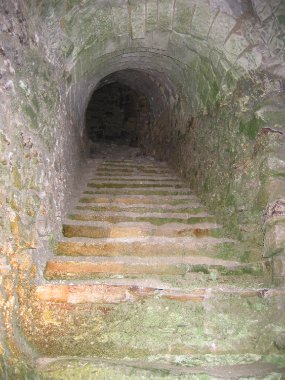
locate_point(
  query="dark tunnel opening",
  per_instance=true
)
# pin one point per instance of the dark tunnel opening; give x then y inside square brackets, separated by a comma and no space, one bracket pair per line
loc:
[117,114]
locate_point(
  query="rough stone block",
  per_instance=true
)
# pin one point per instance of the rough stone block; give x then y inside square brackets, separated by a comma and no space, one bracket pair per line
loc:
[151,14]
[234,46]
[202,20]
[160,40]
[273,115]
[274,240]
[138,14]
[221,28]
[183,14]
[276,165]
[262,9]
[250,60]
[121,20]
[273,189]
[278,269]
[165,14]
[200,46]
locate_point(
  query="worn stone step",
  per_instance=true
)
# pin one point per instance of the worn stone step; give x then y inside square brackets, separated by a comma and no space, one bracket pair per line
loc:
[136,168]
[243,366]
[134,163]
[189,208]
[94,267]
[113,294]
[142,322]
[73,228]
[124,171]
[143,246]
[202,278]
[153,218]
[143,191]
[136,179]
[135,199]
[92,176]
[142,210]
[139,185]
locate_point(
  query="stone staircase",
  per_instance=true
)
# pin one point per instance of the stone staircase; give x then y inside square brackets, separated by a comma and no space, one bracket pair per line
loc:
[144,274]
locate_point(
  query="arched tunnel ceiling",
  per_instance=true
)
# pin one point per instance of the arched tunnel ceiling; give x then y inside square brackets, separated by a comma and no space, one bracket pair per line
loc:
[199,48]
[244,34]
[157,89]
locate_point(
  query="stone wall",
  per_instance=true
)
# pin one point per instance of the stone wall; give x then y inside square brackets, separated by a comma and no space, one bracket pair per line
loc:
[37,165]
[213,72]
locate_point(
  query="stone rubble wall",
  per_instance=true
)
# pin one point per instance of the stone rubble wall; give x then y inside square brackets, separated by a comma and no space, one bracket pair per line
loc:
[36,163]
[214,71]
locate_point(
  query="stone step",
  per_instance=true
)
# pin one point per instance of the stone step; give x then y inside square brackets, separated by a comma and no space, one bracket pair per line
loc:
[94,174]
[124,171]
[136,179]
[150,214]
[143,191]
[142,210]
[143,322]
[135,199]
[143,246]
[202,278]
[139,185]
[96,267]
[153,218]
[113,294]
[135,167]
[134,163]
[189,208]
[244,366]
[116,294]
[73,228]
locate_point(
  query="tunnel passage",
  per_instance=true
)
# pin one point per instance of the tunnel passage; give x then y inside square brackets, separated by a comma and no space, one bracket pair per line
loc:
[126,107]
[113,114]
[211,70]
[117,113]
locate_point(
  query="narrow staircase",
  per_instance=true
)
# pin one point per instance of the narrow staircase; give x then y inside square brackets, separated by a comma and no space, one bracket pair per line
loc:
[145,278]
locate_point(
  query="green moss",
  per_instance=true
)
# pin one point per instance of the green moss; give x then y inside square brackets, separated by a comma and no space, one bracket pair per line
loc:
[251,128]
[52,242]
[17,178]
[28,111]
[281,18]
[200,268]
[36,103]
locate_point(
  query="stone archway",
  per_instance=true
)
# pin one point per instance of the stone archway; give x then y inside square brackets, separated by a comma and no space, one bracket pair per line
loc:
[213,74]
